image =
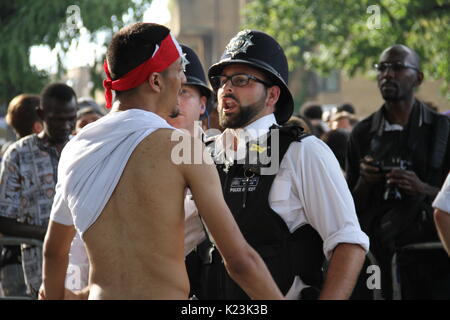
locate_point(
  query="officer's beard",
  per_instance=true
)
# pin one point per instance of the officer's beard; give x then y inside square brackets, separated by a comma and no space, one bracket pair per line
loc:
[243,116]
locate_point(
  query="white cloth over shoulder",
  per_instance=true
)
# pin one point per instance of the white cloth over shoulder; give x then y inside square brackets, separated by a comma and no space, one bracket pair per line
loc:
[442,201]
[92,163]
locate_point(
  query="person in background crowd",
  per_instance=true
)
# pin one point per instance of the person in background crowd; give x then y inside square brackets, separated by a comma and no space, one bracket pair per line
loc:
[337,140]
[347,107]
[28,177]
[342,120]
[299,121]
[86,115]
[313,112]
[22,115]
[23,118]
[397,160]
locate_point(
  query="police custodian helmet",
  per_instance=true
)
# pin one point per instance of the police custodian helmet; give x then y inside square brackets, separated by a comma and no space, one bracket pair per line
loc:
[259,50]
[196,76]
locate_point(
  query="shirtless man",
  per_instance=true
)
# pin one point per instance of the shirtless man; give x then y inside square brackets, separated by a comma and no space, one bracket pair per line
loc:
[118,186]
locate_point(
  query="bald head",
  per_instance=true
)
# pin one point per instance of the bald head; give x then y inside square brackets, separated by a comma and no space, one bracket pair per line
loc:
[399,73]
[406,54]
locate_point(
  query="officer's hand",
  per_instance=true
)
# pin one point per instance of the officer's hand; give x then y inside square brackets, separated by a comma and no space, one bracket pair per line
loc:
[407,181]
[369,173]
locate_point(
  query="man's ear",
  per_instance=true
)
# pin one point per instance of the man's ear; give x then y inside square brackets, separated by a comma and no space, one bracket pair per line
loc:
[419,79]
[155,81]
[273,94]
[203,101]
[37,127]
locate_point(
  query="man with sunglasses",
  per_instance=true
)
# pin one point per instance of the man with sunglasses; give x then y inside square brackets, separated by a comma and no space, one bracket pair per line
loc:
[282,213]
[397,159]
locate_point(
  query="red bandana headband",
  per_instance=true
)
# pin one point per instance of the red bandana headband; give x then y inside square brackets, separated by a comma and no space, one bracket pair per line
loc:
[165,54]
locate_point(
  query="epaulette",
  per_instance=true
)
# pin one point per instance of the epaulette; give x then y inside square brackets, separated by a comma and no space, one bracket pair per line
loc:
[297,133]
[210,140]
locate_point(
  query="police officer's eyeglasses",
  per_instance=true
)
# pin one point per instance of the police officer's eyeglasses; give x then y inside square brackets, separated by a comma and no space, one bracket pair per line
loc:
[395,66]
[237,80]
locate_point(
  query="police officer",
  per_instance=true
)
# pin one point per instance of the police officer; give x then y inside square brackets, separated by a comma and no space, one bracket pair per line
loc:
[285,189]
[196,99]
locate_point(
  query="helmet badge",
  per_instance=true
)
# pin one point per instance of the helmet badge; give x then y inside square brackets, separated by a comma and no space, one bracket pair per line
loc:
[239,43]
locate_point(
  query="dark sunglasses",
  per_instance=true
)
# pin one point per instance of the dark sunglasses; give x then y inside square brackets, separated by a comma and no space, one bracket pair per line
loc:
[395,66]
[237,80]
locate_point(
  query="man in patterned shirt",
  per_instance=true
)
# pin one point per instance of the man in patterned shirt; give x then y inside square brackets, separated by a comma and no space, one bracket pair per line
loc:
[28,177]
[23,118]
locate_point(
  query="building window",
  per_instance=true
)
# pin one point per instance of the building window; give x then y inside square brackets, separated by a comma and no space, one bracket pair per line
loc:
[332,83]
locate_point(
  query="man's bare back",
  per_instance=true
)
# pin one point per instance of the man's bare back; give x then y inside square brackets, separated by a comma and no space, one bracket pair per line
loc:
[136,246]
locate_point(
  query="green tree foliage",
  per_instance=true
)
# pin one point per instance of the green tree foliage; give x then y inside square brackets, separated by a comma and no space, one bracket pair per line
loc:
[26,23]
[322,35]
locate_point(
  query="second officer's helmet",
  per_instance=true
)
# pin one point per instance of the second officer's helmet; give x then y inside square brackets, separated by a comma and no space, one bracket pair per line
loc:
[196,76]
[259,50]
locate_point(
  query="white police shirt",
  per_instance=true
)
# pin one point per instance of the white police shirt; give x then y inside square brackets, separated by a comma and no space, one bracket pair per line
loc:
[308,188]
[442,201]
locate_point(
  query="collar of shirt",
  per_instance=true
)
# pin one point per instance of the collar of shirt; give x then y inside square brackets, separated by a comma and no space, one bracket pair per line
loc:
[224,145]
[392,127]
[44,145]
[378,123]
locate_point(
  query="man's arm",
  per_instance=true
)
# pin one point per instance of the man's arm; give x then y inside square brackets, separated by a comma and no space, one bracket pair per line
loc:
[243,263]
[369,176]
[344,268]
[361,176]
[11,188]
[10,227]
[329,208]
[442,220]
[56,258]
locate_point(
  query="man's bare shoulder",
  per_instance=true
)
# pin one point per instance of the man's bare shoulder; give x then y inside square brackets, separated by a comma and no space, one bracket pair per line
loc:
[158,148]
[156,143]
[166,138]
[174,142]
[158,136]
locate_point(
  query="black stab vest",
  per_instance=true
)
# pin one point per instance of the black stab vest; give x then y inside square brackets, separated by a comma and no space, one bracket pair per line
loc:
[286,255]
